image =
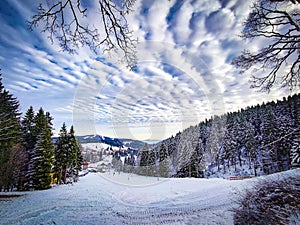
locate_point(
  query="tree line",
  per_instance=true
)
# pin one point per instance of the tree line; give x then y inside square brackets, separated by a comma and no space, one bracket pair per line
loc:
[29,159]
[258,140]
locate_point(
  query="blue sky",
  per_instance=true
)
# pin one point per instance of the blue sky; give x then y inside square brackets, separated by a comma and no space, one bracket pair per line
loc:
[183,73]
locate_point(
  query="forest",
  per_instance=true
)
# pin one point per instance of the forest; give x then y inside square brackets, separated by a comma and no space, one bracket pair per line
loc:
[29,159]
[258,140]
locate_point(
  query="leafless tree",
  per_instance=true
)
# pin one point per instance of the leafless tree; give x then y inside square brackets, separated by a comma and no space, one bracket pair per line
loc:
[278,22]
[67,21]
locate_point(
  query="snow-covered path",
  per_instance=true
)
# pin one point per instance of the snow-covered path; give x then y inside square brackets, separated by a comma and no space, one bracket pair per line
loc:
[126,199]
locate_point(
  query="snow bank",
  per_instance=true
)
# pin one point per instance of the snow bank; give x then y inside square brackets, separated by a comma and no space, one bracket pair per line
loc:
[128,199]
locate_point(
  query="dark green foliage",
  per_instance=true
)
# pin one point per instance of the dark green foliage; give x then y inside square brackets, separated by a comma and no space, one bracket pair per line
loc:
[68,158]
[144,155]
[43,161]
[163,154]
[75,159]
[26,148]
[10,137]
[147,161]
[61,152]
[163,161]
[40,149]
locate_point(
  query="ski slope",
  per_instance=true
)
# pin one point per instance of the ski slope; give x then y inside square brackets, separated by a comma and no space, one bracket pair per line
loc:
[113,198]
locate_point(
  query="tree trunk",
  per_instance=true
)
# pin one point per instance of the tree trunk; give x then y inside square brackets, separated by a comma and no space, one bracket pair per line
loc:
[65,175]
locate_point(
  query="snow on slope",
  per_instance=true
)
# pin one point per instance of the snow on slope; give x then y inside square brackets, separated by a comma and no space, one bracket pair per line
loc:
[98,146]
[114,198]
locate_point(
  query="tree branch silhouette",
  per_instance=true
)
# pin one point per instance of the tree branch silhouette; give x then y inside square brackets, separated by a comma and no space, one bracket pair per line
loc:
[66,21]
[278,22]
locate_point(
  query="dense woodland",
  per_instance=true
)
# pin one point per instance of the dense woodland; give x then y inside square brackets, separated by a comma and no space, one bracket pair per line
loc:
[258,140]
[29,160]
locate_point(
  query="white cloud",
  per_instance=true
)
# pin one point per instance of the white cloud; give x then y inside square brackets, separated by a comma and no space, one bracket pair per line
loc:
[183,74]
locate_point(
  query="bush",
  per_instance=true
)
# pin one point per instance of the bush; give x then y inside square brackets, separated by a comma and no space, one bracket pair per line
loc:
[270,201]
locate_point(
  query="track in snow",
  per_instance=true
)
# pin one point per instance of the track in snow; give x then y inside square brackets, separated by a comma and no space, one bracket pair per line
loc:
[95,200]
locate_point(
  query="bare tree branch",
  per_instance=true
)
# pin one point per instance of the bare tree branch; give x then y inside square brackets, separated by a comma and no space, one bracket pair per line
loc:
[279,22]
[67,22]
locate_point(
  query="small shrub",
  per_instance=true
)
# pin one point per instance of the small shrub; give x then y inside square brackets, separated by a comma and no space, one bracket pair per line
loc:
[270,201]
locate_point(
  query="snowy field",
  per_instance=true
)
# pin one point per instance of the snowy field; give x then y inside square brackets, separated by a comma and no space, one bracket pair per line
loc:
[113,198]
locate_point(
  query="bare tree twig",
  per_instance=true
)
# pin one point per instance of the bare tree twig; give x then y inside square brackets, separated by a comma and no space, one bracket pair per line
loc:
[66,21]
[279,23]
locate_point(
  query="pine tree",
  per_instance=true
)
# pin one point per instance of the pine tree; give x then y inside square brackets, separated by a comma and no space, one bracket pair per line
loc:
[295,153]
[144,160]
[79,160]
[28,129]
[10,135]
[43,160]
[41,156]
[163,161]
[29,141]
[68,157]
[61,154]
[75,160]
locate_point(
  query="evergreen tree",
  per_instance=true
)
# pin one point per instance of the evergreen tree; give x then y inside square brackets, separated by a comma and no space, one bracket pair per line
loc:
[295,153]
[262,138]
[61,154]
[251,146]
[29,141]
[10,135]
[41,156]
[163,161]
[43,160]
[75,160]
[144,160]
[79,159]
[28,124]
[68,157]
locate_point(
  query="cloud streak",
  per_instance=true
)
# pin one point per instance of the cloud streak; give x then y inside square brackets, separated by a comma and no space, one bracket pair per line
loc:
[183,73]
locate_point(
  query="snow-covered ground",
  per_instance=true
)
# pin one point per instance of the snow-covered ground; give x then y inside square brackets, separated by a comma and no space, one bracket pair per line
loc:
[113,198]
[100,146]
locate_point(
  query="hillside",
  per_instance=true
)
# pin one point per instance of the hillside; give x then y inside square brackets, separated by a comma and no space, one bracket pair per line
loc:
[255,141]
[100,139]
[114,142]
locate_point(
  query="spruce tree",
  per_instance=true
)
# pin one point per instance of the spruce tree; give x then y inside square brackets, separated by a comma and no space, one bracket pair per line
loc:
[75,160]
[79,160]
[29,141]
[163,161]
[68,157]
[144,160]
[10,135]
[295,153]
[61,149]
[41,158]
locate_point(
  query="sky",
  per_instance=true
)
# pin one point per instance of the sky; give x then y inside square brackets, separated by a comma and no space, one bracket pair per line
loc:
[183,75]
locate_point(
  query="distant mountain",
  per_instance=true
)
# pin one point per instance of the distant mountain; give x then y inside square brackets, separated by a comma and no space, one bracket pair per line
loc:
[134,144]
[100,139]
[149,141]
[118,142]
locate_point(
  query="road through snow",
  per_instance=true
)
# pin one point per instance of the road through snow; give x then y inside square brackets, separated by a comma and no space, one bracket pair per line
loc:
[126,199]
